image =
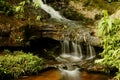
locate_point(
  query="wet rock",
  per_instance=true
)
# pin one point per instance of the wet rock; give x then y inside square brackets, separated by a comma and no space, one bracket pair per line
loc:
[83,65]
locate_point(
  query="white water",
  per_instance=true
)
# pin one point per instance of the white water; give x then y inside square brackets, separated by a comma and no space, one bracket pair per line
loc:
[70,74]
[90,52]
[72,52]
[77,50]
[54,14]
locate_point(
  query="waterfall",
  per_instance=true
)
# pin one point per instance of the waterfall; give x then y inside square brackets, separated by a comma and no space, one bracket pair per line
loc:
[77,51]
[65,47]
[54,14]
[90,52]
[70,74]
[72,52]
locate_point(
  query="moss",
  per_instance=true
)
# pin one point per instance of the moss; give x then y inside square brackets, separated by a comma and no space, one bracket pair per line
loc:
[18,63]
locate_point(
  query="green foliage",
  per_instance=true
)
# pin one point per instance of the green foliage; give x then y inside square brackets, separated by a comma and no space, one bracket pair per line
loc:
[109,31]
[18,63]
[5,8]
[19,9]
[105,25]
[36,3]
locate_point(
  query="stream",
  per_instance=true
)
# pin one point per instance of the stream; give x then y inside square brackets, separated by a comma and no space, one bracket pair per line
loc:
[55,75]
[72,51]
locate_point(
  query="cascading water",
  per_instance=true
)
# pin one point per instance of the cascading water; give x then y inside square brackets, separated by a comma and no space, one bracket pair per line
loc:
[54,14]
[77,50]
[71,50]
[90,52]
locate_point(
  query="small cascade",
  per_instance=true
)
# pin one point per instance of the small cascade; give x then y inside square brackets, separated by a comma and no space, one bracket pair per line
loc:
[65,47]
[90,52]
[72,52]
[54,14]
[77,50]
[70,74]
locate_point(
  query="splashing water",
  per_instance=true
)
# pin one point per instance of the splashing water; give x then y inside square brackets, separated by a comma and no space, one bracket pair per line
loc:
[72,52]
[70,74]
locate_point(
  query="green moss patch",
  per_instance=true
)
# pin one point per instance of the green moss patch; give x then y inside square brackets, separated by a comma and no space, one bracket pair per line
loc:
[18,64]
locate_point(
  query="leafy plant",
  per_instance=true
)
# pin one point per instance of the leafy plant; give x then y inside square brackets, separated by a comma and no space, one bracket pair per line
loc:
[105,25]
[36,3]
[5,8]
[18,63]
[109,31]
[20,8]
